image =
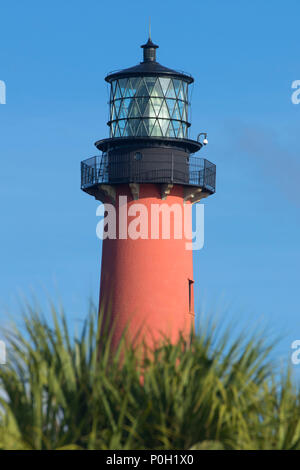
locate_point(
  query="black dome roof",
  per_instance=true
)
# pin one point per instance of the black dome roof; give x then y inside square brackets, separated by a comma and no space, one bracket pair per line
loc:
[149,67]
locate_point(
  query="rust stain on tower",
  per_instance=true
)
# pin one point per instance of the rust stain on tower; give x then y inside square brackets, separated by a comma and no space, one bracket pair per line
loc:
[147,284]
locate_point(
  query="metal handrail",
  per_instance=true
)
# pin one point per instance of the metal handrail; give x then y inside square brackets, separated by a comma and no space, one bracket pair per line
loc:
[102,169]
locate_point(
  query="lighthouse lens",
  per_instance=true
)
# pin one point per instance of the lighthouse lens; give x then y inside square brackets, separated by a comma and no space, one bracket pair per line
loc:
[149,106]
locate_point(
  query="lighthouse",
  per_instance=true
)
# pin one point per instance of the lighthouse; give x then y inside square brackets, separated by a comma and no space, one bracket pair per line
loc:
[148,175]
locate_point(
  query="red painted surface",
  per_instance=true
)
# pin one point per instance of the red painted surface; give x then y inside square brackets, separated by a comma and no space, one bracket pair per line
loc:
[145,283]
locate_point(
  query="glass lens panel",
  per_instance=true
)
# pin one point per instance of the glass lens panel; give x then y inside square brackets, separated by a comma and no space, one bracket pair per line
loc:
[156,131]
[180,105]
[184,112]
[133,109]
[142,104]
[164,82]
[141,130]
[142,89]
[126,130]
[150,123]
[123,110]
[157,90]
[132,126]
[129,90]
[171,104]
[148,126]
[176,113]
[170,131]
[112,112]
[117,93]
[164,124]
[113,89]
[122,125]
[171,91]
[176,125]
[150,82]
[177,85]
[117,106]
[156,103]
[180,132]
[150,110]
[122,85]
[112,129]
[181,94]
[164,111]
[134,84]
[117,131]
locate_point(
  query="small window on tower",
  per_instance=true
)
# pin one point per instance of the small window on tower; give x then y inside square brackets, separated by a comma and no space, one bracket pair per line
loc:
[138,156]
[191,295]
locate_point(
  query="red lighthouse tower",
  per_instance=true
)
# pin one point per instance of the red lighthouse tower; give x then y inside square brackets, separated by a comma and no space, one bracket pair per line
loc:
[149,175]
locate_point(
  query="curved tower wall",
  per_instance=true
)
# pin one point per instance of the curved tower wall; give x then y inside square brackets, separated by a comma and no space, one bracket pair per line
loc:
[146,284]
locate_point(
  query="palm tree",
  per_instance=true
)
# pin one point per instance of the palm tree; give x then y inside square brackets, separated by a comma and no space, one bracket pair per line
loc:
[58,391]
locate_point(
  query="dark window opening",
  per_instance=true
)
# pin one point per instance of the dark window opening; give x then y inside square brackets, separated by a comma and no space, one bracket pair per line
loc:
[138,156]
[191,295]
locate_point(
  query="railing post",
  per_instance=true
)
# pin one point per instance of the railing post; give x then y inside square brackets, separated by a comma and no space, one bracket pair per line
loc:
[172,175]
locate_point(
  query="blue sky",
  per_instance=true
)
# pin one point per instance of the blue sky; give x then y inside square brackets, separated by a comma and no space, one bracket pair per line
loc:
[244,58]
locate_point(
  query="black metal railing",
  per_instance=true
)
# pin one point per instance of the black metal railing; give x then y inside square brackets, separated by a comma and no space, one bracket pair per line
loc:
[118,169]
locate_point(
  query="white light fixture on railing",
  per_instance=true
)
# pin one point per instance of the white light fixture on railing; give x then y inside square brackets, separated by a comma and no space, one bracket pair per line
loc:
[205,141]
